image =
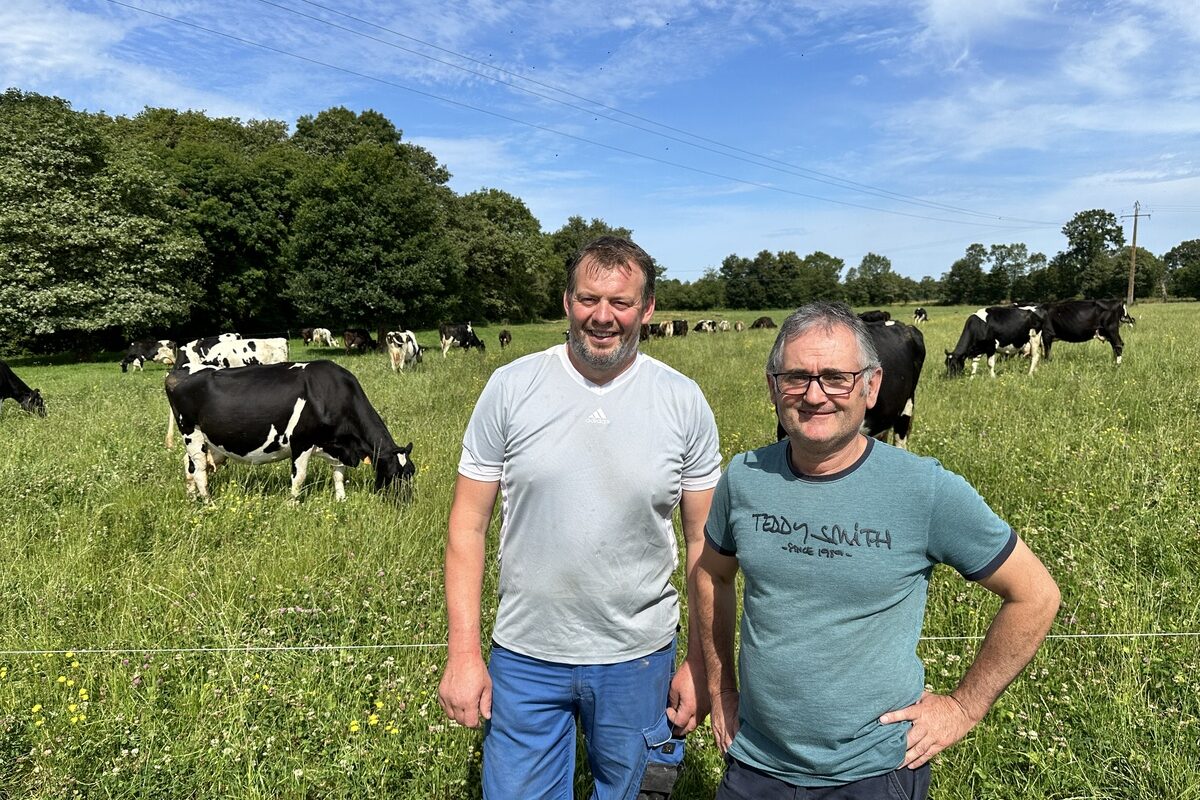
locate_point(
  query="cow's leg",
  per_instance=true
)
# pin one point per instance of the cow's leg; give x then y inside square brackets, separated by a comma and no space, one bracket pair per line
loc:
[446,346]
[392,354]
[992,364]
[1035,350]
[904,425]
[974,365]
[339,481]
[170,428]
[1118,346]
[300,470]
[196,460]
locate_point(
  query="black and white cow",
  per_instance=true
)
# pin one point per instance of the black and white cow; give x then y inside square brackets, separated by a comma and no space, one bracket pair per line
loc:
[358,339]
[403,349]
[322,337]
[762,322]
[1084,320]
[679,327]
[264,413]
[226,350]
[665,329]
[17,389]
[706,326]
[739,326]
[723,326]
[505,338]
[164,351]
[996,329]
[460,335]
[920,315]
[901,351]
[875,316]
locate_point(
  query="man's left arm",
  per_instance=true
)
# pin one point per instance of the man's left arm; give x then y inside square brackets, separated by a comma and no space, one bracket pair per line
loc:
[688,701]
[1030,599]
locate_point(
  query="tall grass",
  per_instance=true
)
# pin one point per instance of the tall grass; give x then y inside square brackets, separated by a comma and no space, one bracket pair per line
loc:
[101,549]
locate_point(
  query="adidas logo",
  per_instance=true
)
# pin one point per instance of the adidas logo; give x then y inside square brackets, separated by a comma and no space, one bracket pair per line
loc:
[597,417]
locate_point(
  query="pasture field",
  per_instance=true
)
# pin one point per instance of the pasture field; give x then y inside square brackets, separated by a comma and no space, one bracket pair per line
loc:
[255,648]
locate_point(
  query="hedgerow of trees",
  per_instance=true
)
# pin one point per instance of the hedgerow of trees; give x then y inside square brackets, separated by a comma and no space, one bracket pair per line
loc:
[174,223]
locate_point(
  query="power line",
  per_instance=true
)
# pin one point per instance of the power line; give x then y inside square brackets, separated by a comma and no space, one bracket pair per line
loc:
[781,166]
[548,129]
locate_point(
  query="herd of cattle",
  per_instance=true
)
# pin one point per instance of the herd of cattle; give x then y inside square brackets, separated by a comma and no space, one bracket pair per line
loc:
[275,409]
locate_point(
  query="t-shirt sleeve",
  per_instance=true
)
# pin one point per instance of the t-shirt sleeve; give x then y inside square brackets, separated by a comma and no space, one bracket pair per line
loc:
[702,460]
[717,530]
[964,532]
[484,442]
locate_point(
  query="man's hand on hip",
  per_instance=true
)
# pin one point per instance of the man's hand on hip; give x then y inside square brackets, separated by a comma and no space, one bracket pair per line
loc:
[938,721]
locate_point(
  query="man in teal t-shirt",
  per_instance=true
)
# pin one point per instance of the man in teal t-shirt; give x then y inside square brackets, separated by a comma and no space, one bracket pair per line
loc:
[836,535]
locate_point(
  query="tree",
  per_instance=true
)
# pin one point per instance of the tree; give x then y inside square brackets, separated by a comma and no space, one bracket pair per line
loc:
[91,242]
[510,270]
[817,278]
[236,183]
[1089,266]
[1150,277]
[1182,264]
[575,233]
[965,282]
[370,242]
[873,282]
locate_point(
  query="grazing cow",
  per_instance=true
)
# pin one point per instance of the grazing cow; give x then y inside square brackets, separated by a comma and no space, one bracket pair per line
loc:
[679,326]
[321,336]
[227,350]
[763,322]
[1002,329]
[460,335]
[357,339]
[920,316]
[307,334]
[706,326]
[643,334]
[739,326]
[14,387]
[875,316]
[723,326]
[667,328]
[264,413]
[164,351]
[1083,320]
[402,349]
[506,338]
[901,350]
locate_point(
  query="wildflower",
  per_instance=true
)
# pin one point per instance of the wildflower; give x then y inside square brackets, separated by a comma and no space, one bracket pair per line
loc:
[37,707]
[74,665]
[73,708]
[83,694]
[373,719]
[379,704]
[3,672]
[70,654]
[62,678]
[354,726]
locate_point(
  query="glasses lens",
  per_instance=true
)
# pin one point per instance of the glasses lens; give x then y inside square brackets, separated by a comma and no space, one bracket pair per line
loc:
[833,384]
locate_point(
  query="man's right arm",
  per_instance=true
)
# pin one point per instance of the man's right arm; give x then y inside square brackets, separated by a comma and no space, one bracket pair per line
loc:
[465,692]
[714,603]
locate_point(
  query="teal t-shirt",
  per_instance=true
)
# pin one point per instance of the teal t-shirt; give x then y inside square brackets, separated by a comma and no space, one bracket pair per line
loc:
[836,573]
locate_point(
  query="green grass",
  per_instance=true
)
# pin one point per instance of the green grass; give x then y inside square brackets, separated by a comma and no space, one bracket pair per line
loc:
[101,549]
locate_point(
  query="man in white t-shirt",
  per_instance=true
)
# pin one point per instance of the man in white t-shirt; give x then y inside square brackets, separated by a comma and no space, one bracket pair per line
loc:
[592,445]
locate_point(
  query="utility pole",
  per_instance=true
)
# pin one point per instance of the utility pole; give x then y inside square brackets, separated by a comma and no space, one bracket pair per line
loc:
[1137,207]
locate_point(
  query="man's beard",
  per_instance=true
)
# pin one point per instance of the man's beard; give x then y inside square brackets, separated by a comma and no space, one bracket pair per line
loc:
[600,361]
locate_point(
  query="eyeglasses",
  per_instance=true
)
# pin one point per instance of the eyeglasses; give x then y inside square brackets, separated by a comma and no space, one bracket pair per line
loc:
[833,383]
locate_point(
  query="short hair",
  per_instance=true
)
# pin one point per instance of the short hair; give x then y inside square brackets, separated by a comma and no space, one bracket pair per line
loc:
[609,252]
[826,316]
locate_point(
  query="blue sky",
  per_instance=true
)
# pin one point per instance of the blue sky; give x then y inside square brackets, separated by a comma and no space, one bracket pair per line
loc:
[707,127]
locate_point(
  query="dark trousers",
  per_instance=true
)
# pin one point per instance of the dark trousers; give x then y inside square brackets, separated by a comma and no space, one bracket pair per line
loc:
[742,782]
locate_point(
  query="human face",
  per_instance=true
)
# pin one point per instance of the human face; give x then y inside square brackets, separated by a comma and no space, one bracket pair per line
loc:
[606,314]
[823,427]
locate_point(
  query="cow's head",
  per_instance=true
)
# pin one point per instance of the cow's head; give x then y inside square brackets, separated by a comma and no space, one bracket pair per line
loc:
[954,364]
[33,403]
[394,470]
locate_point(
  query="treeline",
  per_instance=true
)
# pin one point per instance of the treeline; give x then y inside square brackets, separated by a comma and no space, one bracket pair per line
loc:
[174,223]
[1094,264]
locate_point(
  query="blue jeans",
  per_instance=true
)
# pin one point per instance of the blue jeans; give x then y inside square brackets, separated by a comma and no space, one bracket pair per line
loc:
[529,743]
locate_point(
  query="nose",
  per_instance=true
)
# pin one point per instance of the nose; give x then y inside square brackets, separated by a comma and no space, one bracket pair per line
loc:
[814,385]
[603,312]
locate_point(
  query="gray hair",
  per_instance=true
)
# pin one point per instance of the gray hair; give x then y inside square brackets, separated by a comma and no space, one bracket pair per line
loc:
[825,316]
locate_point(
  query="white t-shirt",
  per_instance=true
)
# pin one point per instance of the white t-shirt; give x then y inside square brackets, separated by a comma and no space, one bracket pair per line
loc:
[589,476]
